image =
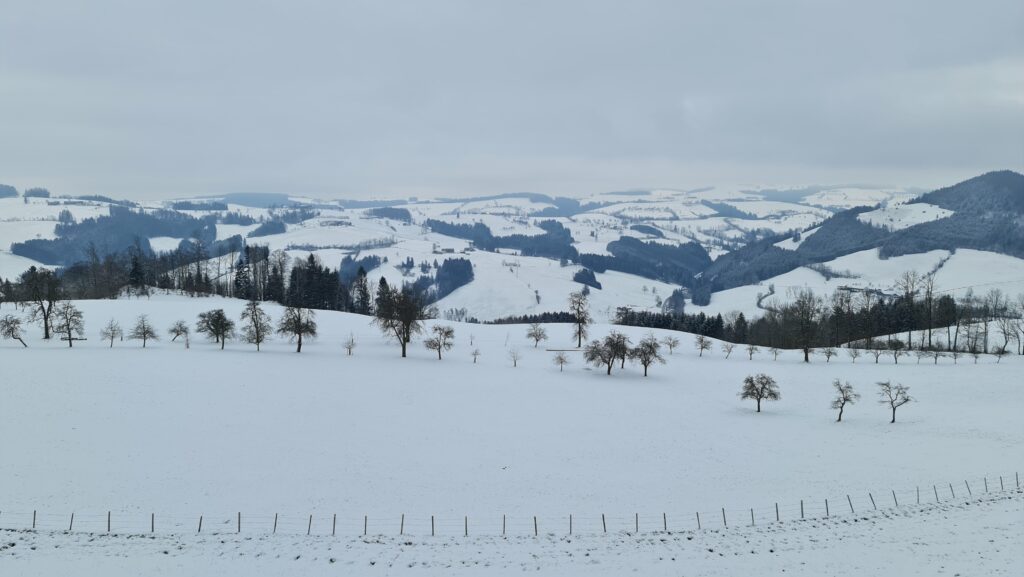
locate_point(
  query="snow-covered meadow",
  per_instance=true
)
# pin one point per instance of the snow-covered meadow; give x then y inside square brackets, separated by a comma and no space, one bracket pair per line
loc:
[182,433]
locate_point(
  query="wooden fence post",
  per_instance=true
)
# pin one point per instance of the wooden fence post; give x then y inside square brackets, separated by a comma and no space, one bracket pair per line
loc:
[152,522]
[894,500]
[826,509]
[986,484]
[108,521]
[33,519]
[401,527]
[334,524]
[200,530]
[637,516]
[776,512]
[951,490]
[664,522]
[751,516]
[239,521]
[936,491]
[801,508]
[431,525]
[724,522]
[1001,487]
[969,493]
[570,523]
[366,522]
[603,524]
[467,525]
[275,524]
[534,525]
[918,495]
[872,497]
[309,528]
[851,504]
[503,525]
[72,523]
[698,520]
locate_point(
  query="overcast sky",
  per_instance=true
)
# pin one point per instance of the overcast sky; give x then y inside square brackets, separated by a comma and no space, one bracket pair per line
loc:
[145,99]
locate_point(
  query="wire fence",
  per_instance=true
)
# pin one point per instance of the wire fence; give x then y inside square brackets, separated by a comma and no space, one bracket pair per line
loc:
[331,524]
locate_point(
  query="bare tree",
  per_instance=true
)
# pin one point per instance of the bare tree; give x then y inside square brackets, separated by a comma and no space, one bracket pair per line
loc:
[350,344]
[580,310]
[670,342]
[751,351]
[297,323]
[600,354]
[647,352]
[727,349]
[999,352]
[111,331]
[256,325]
[702,343]
[955,355]
[42,289]
[619,344]
[760,387]
[844,396]
[69,322]
[217,326]
[936,354]
[442,339]
[561,360]
[537,333]
[775,353]
[514,356]
[828,353]
[143,331]
[10,328]
[896,349]
[400,313]
[179,329]
[893,395]
[877,351]
[476,354]
[854,354]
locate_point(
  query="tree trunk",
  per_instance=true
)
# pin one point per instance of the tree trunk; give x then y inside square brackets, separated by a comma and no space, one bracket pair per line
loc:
[439,353]
[610,365]
[23,342]
[402,342]
[645,370]
[298,349]
[807,355]
[758,405]
[893,416]
[222,341]
[840,419]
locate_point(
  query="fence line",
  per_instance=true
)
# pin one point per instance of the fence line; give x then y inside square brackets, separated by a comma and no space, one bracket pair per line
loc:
[332,524]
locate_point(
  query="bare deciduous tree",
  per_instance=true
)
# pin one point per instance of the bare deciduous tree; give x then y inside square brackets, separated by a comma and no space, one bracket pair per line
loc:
[702,343]
[751,351]
[775,353]
[179,329]
[350,344]
[111,331]
[217,326]
[442,339]
[828,353]
[537,333]
[600,354]
[143,331]
[69,322]
[256,325]
[760,387]
[671,343]
[876,351]
[727,348]
[893,395]
[580,310]
[297,323]
[854,354]
[514,356]
[10,328]
[561,360]
[476,354]
[647,352]
[844,396]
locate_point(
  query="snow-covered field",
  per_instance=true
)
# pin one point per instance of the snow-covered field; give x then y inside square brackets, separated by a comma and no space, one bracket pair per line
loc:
[182,433]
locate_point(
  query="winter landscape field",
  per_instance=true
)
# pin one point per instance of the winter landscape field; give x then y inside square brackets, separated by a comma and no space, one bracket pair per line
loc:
[325,441]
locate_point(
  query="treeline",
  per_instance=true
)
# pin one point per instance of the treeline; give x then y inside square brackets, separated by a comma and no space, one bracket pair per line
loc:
[929,321]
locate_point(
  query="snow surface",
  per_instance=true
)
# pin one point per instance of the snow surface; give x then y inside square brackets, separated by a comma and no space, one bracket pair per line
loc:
[182,433]
[901,216]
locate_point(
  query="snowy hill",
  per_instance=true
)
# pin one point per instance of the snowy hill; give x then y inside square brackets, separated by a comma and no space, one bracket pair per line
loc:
[726,244]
